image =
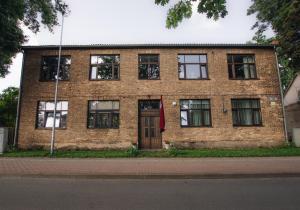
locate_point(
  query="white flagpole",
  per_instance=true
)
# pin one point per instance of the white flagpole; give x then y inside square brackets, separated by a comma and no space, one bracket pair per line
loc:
[56,88]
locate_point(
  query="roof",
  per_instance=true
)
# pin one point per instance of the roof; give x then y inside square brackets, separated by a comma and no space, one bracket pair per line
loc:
[128,46]
[291,83]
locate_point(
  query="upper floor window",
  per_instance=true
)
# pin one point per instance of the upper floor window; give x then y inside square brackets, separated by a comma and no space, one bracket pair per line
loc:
[105,67]
[49,68]
[192,66]
[148,66]
[45,114]
[195,113]
[103,114]
[246,112]
[241,67]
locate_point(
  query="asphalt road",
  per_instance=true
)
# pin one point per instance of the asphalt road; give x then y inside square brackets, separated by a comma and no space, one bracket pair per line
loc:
[142,194]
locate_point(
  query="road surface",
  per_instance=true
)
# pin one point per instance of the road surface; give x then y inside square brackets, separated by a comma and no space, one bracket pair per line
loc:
[143,194]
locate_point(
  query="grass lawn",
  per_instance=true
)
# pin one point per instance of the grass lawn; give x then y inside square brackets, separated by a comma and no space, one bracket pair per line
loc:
[196,153]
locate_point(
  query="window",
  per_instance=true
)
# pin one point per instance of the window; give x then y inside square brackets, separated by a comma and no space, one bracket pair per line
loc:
[246,112]
[192,66]
[49,68]
[45,115]
[195,113]
[105,67]
[241,67]
[103,114]
[149,67]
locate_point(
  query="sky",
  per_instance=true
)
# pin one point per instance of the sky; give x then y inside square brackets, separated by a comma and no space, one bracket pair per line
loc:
[137,22]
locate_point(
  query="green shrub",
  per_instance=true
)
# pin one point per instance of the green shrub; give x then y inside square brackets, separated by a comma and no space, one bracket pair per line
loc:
[133,152]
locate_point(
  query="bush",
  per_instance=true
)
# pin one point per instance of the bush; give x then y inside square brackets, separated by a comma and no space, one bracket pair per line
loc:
[133,152]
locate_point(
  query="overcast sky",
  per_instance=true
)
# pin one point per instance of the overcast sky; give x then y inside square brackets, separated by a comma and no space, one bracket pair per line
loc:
[137,21]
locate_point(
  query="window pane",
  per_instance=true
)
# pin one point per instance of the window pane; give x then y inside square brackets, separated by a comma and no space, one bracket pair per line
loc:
[49,106]
[239,71]
[196,118]
[115,120]
[192,71]
[49,120]
[103,120]
[105,71]
[203,72]
[49,68]
[65,105]
[94,59]
[250,59]
[245,116]
[143,71]
[63,123]
[205,104]
[104,105]
[116,105]
[235,118]
[93,105]
[184,104]
[153,71]
[229,59]
[94,73]
[252,71]
[116,72]
[238,58]
[256,117]
[183,118]
[195,104]
[153,58]
[42,105]
[206,116]
[41,119]
[181,71]
[230,71]
[246,71]
[180,58]
[92,120]
[255,104]
[192,59]
[203,59]
[143,59]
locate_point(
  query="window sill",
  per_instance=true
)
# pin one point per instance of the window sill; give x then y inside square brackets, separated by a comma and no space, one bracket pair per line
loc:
[102,128]
[244,79]
[247,126]
[104,79]
[194,79]
[54,81]
[209,126]
[148,79]
[50,128]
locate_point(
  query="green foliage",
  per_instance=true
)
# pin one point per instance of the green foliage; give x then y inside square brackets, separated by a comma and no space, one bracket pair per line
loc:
[195,153]
[183,9]
[27,12]
[133,152]
[8,106]
[283,16]
[173,151]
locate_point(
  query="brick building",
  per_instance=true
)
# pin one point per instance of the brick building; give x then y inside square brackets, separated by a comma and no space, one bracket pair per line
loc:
[214,95]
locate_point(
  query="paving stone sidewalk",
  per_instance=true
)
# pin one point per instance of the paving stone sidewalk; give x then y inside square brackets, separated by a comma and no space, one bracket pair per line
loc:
[151,167]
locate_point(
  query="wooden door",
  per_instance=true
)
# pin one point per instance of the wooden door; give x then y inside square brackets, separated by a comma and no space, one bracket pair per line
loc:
[150,136]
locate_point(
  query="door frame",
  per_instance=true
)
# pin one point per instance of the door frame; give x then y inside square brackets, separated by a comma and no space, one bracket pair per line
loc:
[139,119]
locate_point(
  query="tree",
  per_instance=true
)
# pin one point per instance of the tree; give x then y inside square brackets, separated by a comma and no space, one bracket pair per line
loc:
[282,16]
[8,106]
[31,13]
[183,9]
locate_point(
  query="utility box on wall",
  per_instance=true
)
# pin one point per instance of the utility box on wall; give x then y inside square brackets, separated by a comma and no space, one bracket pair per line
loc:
[3,139]
[296,136]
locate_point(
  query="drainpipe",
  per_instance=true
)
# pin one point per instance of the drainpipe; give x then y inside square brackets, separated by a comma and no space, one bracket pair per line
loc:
[282,99]
[19,104]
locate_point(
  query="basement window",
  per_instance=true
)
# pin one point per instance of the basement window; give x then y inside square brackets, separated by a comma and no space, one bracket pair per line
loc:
[103,114]
[105,67]
[241,67]
[45,114]
[49,68]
